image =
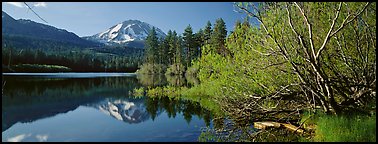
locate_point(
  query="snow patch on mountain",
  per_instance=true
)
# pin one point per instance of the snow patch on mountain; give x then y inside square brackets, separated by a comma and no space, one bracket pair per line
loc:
[127,31]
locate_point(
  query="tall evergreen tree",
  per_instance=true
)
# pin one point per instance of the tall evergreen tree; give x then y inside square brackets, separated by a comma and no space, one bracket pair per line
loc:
[163,51]
[207,32]
[188,38]
[218,37]
[173,47]
[169,49]
[152,45]
[199,42]
[179,49]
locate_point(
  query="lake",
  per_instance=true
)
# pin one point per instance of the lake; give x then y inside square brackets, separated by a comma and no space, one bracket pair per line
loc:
[94,107]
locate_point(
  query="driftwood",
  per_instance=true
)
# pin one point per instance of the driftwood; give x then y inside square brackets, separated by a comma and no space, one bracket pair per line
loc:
[269,124]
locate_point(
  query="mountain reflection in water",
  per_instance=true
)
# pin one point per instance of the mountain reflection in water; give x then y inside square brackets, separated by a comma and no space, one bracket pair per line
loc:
[31,99]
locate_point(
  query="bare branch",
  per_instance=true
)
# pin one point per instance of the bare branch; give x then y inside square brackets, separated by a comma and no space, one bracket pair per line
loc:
[293,29]
[345,23]
[329,32]
[261,53]
[309,30]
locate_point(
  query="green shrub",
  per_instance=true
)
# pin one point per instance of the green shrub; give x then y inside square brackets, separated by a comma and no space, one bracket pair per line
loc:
[148,68]
[155,92]
[138,92]
[193,71]
[191,75]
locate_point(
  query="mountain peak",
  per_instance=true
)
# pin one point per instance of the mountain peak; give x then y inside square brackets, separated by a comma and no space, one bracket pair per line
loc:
[125,32]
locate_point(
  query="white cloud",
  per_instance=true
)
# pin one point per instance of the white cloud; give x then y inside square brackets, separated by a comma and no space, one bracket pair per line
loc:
[18,138]
[42,138]
[22,5]
[40,4]
[17,4]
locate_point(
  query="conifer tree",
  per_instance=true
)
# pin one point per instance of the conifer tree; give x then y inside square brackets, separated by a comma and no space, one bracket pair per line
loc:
[152,45]
[170,50]
[207,32]
[199,42]
[188,38]
[218,37]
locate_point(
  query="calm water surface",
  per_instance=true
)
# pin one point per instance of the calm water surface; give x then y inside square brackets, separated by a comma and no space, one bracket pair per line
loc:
[93,107]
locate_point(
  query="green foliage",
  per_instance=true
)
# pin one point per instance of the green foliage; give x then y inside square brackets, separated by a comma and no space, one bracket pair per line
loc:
[174,48]
[207,32]
[188,39]
[191,74]
[353,128]
[154,92]
[138,92]
[165,91]
[242,74]
[151,46]
[175,69]
[218,37]
[79,60]
[329,47]
[148,68]
[40,68]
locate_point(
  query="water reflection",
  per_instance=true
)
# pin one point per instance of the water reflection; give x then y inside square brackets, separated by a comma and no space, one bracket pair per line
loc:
[123,109]
[30,99]
[162,80]
[176,80]
[152,80]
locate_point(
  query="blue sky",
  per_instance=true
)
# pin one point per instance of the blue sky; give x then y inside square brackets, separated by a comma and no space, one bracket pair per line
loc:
[88,18]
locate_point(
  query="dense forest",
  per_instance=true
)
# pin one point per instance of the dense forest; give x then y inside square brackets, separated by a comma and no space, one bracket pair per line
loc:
[41,53]
[175,54]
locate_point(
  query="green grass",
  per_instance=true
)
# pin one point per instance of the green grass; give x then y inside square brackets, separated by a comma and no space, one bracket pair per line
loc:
[353,128]
[40,68]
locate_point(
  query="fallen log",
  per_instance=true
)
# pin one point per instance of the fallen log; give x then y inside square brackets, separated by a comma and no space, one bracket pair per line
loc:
[269,124]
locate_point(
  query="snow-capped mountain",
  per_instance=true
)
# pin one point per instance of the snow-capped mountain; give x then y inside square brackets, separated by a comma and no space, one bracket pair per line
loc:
[125,33]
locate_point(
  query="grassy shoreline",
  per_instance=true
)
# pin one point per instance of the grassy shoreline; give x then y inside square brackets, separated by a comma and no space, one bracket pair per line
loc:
[354,127]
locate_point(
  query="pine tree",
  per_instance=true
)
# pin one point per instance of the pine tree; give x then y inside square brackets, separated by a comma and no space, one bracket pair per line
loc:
[218,37]
[152,45]
[179,49]
[207,33]
[199,42]
[172,47]
[169,49]
[163,51]
[188,38]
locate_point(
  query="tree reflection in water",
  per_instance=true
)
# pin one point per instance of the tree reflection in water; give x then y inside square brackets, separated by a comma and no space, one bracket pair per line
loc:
[28,99]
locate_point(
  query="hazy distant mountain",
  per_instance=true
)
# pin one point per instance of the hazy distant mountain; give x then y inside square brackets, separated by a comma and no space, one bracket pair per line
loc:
[128,33]
[25,30]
